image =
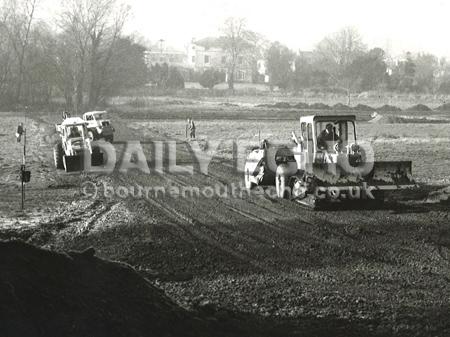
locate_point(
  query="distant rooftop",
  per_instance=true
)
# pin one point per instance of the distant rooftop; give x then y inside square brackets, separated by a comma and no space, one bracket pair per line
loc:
[209,42]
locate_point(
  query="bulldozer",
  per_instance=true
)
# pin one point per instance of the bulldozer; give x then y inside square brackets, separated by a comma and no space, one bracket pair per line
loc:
[74,143]
[326,164]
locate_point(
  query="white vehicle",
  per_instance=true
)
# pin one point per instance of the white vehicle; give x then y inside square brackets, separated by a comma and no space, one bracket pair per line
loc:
[68,152]
[316,169]
[98,126]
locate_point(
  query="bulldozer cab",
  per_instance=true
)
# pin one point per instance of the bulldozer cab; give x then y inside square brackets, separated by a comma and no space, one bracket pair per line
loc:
[322,133]
[342,132]
[323,138]
[74,131]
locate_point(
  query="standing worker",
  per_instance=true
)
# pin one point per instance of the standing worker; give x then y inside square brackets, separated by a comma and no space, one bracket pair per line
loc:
[188,123]
[19,132]
[192,129]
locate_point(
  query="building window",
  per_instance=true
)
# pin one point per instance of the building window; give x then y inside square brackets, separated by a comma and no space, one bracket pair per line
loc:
[224,59]
[240,60]
[206,59]
[240,75]
[193,59]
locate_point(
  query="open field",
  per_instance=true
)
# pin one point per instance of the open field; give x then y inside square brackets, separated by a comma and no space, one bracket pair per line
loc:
[253,94]
[344,272]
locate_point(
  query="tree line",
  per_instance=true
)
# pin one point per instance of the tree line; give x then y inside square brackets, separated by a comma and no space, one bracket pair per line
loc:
[339,62]
[343,62]
[80,56]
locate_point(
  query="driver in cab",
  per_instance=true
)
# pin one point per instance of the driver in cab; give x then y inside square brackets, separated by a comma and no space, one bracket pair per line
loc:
[327,138]
[74,132]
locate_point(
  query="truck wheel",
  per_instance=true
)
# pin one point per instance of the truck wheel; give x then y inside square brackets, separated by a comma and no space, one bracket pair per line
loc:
[248,183]
[96,157]
[281,177]
[58,156]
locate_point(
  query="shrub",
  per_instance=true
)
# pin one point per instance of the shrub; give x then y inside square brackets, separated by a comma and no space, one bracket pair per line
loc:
[210,78]
[174,80]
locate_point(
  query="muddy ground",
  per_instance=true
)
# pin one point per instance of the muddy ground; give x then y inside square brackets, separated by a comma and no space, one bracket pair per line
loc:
[338,272]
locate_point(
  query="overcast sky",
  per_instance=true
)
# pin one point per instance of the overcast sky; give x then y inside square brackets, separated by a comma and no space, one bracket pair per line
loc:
[396,25]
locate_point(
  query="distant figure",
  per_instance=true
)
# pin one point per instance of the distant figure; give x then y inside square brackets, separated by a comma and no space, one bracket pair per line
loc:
[190,127]
[188,122]
[265,144]
[19,132]
[326,136]
[65,114]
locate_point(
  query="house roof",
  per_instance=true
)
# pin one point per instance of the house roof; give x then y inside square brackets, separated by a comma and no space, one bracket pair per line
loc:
[209,42]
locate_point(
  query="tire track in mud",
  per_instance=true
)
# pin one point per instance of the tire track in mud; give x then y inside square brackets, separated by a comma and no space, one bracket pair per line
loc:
[179,223]
[257,231]
[337,230]
[227,204]
[253,229]
[314,220]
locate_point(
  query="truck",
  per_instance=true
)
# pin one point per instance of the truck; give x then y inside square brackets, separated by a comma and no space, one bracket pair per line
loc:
[98,126]
[73,145]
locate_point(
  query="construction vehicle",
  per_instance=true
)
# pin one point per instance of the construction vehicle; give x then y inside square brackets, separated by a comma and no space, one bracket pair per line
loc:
[98,126]
[74,143]
[314,171]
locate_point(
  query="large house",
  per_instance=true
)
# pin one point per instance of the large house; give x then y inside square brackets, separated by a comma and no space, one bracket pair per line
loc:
[170,56]
[208,54]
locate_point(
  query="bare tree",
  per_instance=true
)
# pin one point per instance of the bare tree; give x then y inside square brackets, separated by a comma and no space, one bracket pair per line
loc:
[6,60]
[17,18]
[337,52]
[237,40]
[92,28]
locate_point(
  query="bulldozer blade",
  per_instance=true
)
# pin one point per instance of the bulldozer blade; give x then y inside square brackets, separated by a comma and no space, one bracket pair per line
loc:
[392,173]
[73,163]
[384,173]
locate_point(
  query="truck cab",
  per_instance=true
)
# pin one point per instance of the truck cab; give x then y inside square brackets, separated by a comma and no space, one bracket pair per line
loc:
[99,126]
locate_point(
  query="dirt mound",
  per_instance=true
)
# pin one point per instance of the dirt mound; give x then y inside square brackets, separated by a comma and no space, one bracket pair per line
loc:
[319,106]
[277,105]
[301,105]
[282,105]
[229,104]
[388,108]
[419,107]
[418,120]
[363,107]
[43,293]
[340,106]
[443,107]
